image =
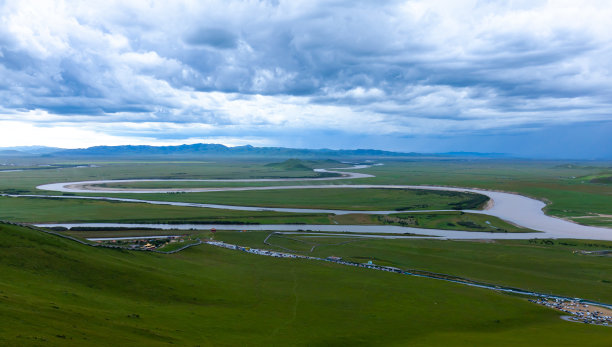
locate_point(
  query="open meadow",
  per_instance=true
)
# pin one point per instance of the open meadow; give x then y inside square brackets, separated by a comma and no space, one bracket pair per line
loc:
[570,190]
[305,173]
[56,292]
[209,295]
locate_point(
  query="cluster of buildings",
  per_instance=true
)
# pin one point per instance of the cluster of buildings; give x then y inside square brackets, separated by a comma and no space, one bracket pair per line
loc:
[580,312]
[276,254]
[258,251]
[604,252]
[143,244]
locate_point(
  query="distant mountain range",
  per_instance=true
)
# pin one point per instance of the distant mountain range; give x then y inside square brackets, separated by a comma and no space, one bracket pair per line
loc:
[217,150]
[27,150]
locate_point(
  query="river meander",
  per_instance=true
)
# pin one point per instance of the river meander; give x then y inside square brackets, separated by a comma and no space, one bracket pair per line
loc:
[518,209]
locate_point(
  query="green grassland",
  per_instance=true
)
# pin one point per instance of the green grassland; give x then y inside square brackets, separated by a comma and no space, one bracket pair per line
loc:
[72,210]
[85,233]
[595,221]
[178,245]
[603,177]
[452,221]
[557,183]
[26,181]
[567,194]
[56,292]
[548,266]
[196,184]
[56,210]
[559,186]
[607,179]
[337,198]
[304,165]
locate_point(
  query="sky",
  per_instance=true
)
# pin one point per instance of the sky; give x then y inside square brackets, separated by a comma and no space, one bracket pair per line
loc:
[527,78]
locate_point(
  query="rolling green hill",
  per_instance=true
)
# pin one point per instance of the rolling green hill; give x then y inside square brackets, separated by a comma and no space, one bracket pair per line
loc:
[291,165]
[57,292]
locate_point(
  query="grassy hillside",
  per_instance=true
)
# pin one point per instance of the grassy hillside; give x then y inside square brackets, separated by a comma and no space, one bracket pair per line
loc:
[57,292]
[548,266]
[291,165]
[603,179]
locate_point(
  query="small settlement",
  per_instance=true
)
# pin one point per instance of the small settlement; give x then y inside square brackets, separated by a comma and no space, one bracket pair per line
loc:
[580,312]
[146,243]
[276,254]
[606,252]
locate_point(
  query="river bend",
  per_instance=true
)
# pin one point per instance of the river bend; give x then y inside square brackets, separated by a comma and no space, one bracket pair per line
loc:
[518,209]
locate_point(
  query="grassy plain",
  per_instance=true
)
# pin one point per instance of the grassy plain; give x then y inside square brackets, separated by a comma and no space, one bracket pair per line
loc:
[568,188]
[57,210]
[452,221]
[26,181]
[77,210]
[336,198]
[557,183]
[548,266]
[56,292]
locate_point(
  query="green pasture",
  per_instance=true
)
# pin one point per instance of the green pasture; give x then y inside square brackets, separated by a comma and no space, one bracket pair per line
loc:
[336,198]
[56,292]
[85,233]
[200,184]
[58,210]
[560,186]
[174,246]
[26,181]
[51,210]
[566,187]
[548,266]
[556,183]
[451,221]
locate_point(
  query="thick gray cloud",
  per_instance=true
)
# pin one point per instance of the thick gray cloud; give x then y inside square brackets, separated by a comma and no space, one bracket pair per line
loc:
[214,37]
[265,68]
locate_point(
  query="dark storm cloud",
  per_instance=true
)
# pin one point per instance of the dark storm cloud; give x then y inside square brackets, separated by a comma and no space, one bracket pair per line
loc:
[411,66]
[214,37]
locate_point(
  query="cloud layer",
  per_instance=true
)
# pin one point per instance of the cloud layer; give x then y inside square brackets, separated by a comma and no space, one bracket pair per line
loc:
[269,71]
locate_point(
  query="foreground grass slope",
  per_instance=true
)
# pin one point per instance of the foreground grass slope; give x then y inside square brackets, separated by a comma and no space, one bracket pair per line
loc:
[56,292]
[547,266]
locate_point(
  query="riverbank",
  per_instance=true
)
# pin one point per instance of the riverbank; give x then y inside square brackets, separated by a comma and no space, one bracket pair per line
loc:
[514,208]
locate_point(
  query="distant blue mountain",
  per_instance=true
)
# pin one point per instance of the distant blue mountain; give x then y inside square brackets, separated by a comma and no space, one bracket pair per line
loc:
[31,150]
[12,153]
[218,150]
[203,149]
[474,154]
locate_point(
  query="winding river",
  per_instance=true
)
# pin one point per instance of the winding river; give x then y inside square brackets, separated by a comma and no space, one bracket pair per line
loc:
[518,209]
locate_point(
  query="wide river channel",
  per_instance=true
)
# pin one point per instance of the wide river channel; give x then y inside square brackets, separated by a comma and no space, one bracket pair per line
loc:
[518,209]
